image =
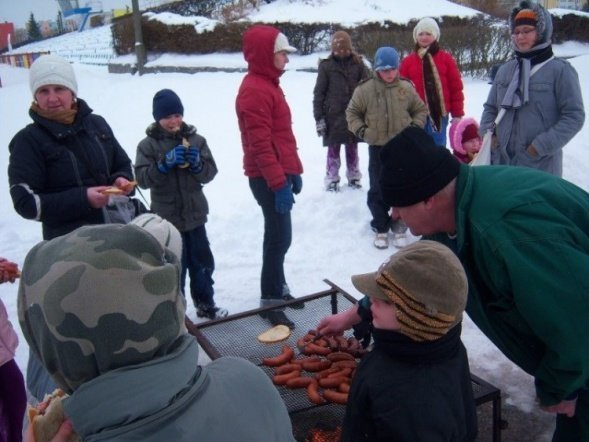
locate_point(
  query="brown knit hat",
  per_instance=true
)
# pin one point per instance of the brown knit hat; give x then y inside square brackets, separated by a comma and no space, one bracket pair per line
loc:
[426,283]
[341,44]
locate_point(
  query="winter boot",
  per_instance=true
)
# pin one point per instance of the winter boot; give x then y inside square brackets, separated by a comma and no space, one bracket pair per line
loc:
[277,317]
[210,311]
[354,184]
[333,186]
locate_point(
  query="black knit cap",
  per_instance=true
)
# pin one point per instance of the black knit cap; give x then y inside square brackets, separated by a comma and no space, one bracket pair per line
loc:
[414,168]
[165,103]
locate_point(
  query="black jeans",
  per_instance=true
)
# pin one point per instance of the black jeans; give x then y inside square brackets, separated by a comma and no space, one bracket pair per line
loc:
[198,262]
[381,220]
[277,239]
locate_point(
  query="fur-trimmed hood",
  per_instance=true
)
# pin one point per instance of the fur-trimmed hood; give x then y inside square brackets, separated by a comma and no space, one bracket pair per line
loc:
[544,25]
[456,131]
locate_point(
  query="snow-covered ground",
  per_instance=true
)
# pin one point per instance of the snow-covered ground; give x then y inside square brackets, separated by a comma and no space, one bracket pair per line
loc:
[331,234]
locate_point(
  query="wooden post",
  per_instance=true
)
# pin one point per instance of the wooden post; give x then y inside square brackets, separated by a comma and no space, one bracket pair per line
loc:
[139,47]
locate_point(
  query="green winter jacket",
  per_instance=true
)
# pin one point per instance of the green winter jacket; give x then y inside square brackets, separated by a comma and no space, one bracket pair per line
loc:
[378,111]
[525,250]
[177,195]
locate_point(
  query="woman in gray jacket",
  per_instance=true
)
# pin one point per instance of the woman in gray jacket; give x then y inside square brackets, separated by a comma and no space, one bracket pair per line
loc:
[540,95]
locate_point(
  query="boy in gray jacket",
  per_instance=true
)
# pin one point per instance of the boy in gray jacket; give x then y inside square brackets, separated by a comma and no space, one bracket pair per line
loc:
[175,162]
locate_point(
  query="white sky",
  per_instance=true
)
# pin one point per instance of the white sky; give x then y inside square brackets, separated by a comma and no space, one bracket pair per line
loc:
[331,234]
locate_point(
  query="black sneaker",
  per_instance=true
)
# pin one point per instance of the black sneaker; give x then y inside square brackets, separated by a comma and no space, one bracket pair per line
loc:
[355,184]
[333,187]
[210,312]
[296,305]
[277,317]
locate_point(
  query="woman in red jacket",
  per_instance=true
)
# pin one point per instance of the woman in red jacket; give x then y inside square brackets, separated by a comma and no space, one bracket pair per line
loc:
[270,158]
[436,77]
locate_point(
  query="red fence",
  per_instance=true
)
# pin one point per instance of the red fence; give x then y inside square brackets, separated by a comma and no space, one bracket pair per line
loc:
[21,60]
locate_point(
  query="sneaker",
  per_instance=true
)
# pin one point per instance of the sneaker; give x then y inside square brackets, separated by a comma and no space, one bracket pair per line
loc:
[277,317]
[210,311]
[381,241]
[333,187]
[296,305]
[355,184]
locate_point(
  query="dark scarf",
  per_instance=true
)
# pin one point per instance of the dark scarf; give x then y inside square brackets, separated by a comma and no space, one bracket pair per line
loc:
[434,95]
[404,349]
[518,92]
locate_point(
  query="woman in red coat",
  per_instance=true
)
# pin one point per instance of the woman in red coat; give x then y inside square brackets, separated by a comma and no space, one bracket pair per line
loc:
[270,158]
[436,77]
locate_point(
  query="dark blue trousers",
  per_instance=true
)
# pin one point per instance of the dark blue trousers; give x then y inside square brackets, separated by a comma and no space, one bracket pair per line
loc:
[381,220]
[277,239]
[198,262]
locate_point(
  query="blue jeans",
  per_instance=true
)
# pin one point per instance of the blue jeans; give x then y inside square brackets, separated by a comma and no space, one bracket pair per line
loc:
[277,239]
[198,262]
[439,137]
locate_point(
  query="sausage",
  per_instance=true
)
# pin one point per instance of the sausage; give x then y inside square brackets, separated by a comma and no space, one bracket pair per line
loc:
[315,366]
[344,364]
[340,356]
[301,361]
[332,382]
[342,342]
[286,368]
[313,394]
[343,372]
[314,349]
[327,372]
[286,355]
[336,397]
[332,343]
[344,387]
[300,382]
[282,379]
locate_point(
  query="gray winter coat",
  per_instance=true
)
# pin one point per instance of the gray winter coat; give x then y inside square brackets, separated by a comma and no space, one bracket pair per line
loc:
[176,196]
[553,115]
[336,80]
[171,398]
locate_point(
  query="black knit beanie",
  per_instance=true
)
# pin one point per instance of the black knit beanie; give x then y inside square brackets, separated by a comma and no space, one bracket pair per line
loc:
[414,168]
[165,103]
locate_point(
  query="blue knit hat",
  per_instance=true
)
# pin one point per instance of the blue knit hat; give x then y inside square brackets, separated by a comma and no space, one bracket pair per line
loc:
[386,58]
[166,102]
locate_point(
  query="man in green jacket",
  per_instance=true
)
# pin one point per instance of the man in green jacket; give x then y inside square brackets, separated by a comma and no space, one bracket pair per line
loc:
[523,239]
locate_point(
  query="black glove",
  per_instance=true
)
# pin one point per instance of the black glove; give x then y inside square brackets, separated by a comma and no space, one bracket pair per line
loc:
[321,127]
[363,332]
[297,184]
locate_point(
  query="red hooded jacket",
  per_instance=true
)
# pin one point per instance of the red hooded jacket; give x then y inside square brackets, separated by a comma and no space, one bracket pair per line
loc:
[269,145]
[412,69]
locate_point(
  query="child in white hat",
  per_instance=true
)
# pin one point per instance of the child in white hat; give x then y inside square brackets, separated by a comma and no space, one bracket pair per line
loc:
[436,77]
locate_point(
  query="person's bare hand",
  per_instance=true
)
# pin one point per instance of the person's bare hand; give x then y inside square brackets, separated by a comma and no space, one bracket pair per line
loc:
[125,185]
[96,198]
[566,407]
[338,323]
[532,151]
[63,434]
[8,271]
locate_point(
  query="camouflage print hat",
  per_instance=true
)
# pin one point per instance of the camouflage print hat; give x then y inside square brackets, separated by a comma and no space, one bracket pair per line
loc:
[97,299]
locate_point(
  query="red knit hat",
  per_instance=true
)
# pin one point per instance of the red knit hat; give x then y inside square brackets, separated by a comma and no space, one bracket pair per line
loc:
[469,133]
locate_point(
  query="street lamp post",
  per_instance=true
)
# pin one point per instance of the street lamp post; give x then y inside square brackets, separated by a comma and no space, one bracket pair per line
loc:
[139,47]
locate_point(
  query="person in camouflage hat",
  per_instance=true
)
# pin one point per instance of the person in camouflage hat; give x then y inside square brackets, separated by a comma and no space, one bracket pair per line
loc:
[101,308]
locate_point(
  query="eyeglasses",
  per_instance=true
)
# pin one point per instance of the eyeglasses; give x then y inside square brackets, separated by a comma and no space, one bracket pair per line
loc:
[524,32]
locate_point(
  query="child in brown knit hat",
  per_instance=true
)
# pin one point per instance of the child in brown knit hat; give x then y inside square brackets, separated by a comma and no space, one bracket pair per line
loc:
[415,384]
[337,77]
